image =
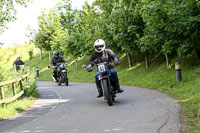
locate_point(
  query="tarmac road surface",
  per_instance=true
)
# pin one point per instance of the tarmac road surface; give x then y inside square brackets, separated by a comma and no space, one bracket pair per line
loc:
[75,109]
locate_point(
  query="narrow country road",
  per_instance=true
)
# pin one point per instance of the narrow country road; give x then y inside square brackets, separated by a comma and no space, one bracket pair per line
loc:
[75,109]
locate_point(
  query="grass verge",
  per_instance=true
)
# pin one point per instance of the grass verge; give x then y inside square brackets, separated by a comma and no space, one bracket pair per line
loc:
[15,107]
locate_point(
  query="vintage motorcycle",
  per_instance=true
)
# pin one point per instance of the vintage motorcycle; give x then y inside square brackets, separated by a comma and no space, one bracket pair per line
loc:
[61,74]
[107,82]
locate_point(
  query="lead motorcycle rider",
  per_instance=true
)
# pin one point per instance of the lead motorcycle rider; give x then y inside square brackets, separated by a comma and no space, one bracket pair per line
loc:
[104,55]
[56,59]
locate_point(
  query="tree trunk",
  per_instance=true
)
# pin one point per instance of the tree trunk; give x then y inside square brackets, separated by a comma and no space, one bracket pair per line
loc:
[167,61]
[155,58]
[77,64]
[146,60]
[40,54]
[129,60]
[49,55]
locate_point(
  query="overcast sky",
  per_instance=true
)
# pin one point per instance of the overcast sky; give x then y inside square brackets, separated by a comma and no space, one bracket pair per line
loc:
[28,16]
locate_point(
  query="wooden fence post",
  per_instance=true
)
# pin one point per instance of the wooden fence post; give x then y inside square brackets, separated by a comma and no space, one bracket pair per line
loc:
[2,94]
[14,85]
[21,86]
[13,88]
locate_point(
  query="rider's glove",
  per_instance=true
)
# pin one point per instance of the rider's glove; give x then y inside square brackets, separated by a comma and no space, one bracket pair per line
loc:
[89,68]
[116,61]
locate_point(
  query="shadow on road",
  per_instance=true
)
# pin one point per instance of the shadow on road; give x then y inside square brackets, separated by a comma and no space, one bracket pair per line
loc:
[42,106]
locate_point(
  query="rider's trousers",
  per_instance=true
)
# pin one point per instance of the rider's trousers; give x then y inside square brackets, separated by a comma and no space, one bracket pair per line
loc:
[110,71]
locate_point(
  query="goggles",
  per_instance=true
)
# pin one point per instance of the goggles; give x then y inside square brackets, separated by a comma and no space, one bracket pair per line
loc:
[100,46]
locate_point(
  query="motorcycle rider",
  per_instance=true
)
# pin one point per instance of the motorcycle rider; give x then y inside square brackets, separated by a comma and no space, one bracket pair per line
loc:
[56,59]
[18,62]
[104,55]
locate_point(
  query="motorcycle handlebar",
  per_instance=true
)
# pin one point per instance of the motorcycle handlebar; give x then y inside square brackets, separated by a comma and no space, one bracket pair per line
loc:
[107,63]
[65,64]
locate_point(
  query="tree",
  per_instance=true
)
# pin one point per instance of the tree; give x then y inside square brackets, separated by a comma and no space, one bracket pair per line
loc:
[34,37]
[171,26]
[122,24]
[8,11]
[66,13]
[50,35]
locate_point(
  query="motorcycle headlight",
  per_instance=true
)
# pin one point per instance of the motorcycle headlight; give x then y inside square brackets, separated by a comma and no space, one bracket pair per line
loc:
[61,66]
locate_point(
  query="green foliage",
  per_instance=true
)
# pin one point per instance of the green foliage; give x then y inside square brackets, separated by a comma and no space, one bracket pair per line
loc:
[122,24]
[50,35]
[8,12]
[32,92]
[30,54]
[67,17]
[171,26]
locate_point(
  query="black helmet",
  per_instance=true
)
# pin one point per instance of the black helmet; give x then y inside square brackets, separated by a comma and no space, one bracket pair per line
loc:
[56,53]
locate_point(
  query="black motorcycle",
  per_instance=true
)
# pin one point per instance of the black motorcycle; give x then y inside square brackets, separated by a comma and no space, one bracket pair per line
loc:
[61,74]
[107,82]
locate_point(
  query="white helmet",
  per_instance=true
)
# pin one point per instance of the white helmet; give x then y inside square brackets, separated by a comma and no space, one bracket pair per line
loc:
[99,45]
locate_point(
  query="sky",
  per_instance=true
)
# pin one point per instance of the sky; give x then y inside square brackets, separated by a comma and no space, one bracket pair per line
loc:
[15,34]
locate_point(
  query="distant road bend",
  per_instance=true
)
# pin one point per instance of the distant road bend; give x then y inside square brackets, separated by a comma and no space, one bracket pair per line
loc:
[75,109]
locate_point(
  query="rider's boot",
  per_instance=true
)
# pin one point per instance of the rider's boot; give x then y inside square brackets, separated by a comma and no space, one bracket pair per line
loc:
[54,79]
[100,91]
[119,90]
[57,79]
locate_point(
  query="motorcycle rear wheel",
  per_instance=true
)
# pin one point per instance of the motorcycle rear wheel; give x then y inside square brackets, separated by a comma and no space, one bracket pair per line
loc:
[59,80]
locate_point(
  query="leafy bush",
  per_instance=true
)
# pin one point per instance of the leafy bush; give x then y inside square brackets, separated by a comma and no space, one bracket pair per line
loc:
[30,54]
[32,92]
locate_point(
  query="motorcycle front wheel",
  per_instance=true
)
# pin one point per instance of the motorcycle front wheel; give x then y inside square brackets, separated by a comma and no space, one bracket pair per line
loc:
[108,95]
[59,80]
[66,79]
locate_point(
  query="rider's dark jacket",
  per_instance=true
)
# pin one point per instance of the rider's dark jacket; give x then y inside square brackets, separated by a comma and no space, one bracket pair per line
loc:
[18,62]
[106,56]
[56,60]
